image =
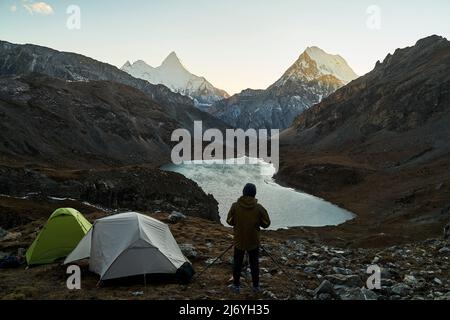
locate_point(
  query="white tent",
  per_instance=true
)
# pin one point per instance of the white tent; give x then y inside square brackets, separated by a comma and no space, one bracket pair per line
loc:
[129,244]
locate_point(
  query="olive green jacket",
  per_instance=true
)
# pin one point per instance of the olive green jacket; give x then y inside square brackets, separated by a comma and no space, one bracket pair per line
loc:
[247,216]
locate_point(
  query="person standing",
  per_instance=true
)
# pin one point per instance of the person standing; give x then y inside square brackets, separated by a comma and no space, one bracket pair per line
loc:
[247,217]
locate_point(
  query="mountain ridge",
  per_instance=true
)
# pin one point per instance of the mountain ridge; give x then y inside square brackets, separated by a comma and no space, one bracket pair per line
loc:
[16,60]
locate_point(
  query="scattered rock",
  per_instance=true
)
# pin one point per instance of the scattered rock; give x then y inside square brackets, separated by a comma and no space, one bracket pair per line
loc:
[345,280]
[21,252]
[444,296]
[388,273]
[444,250]
[343,271]
[324,296]
[270,295]
[335,261]
[411,280]
[12,236]
[401,289]
[438,281]
[326,287]
[313,263]
[3,233]
[358,294]
[211,260]
[176,217]
[189,250]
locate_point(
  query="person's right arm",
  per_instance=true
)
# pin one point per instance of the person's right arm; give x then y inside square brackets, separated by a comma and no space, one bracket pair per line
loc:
[265,219]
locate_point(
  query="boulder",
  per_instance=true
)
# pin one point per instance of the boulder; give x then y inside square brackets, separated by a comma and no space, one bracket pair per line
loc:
[326,287]
[189,250]
[411,280]
[3,233]
[343,271]
[176,217]
[12,236]
[309,270]
[445,296]
[358,294]
[401,289]
[444,250]
[345,280]
[3,255]
[324,297]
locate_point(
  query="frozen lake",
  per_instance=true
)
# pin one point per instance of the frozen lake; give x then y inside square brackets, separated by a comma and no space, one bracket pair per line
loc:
[287,207]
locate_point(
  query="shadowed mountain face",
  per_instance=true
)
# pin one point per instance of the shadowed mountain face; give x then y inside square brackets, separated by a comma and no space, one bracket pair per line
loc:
[52,121]
[380,144]
[312,77]
[23,59]
[134,188]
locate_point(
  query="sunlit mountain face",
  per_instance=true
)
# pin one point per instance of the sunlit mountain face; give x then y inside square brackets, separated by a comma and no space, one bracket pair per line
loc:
[314,76]
[174,75]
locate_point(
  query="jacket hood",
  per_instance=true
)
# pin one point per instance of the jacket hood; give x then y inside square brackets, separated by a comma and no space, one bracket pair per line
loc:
[247,202]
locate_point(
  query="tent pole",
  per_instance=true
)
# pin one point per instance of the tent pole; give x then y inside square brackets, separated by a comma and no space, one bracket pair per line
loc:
[145,283]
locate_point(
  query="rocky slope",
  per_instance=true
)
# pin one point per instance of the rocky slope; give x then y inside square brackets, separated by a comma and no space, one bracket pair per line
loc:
[79,124]
[23,59]
[174,75]
[126,188]
[311,78]
[305,269]
[380,147]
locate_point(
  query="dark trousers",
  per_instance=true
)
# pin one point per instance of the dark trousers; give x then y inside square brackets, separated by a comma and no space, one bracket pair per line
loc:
[254,266]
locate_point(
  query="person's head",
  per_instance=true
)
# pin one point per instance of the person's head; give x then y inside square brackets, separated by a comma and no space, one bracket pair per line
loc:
[249,190]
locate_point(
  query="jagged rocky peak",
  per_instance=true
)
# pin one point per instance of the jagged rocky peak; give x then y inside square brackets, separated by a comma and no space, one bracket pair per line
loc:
[431,40]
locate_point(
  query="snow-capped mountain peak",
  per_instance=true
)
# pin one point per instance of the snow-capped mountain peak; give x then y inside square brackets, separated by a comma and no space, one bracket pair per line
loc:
[315,64]
[172,60]
[174,75]
[314,76]
[329,64]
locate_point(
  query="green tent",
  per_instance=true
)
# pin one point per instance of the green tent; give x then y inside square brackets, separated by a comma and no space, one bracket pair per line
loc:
[60,235]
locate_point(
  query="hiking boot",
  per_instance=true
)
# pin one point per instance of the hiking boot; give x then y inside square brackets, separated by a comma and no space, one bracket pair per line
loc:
[256,289]
[235,289]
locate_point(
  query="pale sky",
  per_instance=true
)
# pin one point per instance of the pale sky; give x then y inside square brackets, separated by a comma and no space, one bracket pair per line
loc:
[235,44]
